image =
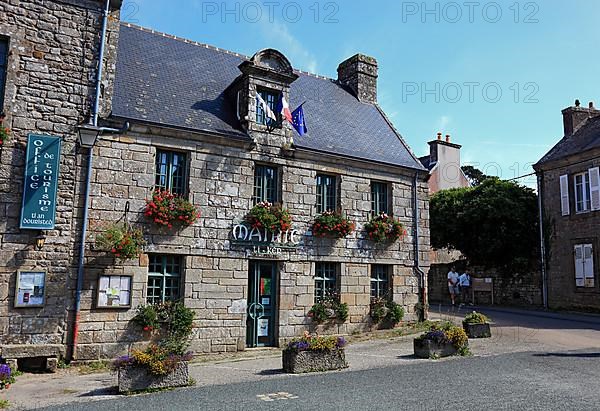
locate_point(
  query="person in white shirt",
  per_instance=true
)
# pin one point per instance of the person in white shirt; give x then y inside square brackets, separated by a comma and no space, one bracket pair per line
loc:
[453,284]
[465,286]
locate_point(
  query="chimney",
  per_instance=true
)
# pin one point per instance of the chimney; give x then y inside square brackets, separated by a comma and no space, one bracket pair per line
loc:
[575,116]
[359,72]
[447,138]
[443,150]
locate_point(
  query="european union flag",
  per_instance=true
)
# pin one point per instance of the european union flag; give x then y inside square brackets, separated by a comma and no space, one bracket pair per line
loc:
[298,121]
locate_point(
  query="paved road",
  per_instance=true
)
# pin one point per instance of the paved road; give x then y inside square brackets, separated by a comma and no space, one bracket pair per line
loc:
[535,360]
[521,381]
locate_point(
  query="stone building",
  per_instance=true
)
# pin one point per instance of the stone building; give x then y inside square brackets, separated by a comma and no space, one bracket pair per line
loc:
[196,130]
[569,185]
[443,163]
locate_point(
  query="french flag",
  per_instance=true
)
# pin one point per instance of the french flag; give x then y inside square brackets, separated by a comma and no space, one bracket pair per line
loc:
[284,108]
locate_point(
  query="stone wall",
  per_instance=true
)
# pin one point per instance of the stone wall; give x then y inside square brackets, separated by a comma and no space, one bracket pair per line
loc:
[51,67]
[566,232]
[216,272]
[517,290]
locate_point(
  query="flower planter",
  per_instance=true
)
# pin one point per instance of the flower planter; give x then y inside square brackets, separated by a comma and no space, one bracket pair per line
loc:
[135,378]
[428,348]
[297,362]
[477,330]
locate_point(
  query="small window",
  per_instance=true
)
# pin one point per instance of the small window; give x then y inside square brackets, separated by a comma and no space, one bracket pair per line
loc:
[380,281]
[379,198]
[3,69]
[584,265]
[271,99]
[325,281]
[171,171]
[164,278]
[582,192]
[265,184]
[326,193]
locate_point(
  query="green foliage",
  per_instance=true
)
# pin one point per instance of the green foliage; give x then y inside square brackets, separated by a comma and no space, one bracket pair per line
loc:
[331,224]
[494,224]
[474,175]
[122,240]
[446,331]
[316,343]
[4,132]
[176,318]
[342,312]
[329,308]
[272,217]
[148,317]
[476,318]
[4,404]
[396,313]
[386,309]
[384,228]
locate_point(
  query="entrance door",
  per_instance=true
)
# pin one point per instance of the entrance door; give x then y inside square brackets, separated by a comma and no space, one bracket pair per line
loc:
[260,325]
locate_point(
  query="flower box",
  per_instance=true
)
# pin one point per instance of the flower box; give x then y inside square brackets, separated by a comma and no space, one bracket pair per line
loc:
[297,362]
[136,378]
[432,349]
[477,330]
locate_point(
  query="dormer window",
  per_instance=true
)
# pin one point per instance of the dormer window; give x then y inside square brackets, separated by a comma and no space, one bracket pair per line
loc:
[270,97]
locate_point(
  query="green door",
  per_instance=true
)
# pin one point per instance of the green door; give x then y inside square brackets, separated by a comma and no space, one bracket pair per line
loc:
[260,325]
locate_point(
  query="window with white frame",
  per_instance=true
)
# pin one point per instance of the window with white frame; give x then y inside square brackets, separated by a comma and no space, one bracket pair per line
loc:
[584,265]
[164,278]
[582,192]
[325,281]
[380,281]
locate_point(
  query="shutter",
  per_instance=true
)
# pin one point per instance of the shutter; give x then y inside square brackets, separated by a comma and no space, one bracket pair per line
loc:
[588,265]
[595,188]
[564,194]
[579,275]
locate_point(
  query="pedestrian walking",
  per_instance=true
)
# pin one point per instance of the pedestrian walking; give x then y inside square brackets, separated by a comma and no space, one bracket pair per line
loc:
[453,284]
[464,281]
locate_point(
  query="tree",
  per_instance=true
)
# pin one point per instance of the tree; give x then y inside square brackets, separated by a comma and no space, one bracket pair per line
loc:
[474,175]
[494,224]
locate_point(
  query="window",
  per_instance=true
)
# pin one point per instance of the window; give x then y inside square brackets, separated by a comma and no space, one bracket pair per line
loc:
[380,281]
[325,280]
[584,265]
[164,278]
[582,192]
[265,184]
[171,171]
[326,193]
[271,99]
[3,69]
[379,198]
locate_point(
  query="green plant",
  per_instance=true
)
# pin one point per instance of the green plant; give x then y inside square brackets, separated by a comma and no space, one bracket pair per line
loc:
[310,342]
[4,131]
[476,318]
[386,309]
[149,317]
[158,359]
[384,228]
[446,332]
[328,308]
[4,404]
[396,313]
[177,319]
[123,241]
[331,224]
[7,377]
[167,210]
[271,217]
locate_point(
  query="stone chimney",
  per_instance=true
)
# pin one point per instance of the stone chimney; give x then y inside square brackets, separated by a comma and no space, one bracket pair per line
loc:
[575,116]
[359,72]
[443,150]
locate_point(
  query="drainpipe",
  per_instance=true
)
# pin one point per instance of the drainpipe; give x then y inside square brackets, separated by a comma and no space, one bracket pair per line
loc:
[94,122]
[540,176]
[422,296]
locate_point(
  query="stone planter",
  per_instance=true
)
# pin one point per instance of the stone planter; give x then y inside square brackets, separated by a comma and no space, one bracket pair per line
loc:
[477,330]
[429,349]
[297,362]
[135,378]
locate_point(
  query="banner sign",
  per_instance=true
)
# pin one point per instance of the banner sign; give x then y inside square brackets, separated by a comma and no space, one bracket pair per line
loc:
[42,163]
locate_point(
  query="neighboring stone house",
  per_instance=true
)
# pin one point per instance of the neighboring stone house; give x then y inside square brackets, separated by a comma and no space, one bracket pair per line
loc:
[195,129]
[570,199]
[443,163]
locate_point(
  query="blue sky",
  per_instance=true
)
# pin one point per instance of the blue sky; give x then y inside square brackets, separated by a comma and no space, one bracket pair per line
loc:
[494,75]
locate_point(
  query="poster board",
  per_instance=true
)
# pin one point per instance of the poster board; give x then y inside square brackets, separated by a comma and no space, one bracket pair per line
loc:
[114,291]
[30,289]
[482,285]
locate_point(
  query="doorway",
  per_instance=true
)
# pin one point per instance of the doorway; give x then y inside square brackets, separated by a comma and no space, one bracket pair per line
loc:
[262,305]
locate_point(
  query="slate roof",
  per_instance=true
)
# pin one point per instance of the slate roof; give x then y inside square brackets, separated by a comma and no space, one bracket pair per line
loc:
[587,137]
[178,83]
[427,163]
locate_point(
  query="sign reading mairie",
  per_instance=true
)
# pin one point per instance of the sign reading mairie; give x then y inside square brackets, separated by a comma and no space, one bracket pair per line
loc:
[42,163]
[242,234]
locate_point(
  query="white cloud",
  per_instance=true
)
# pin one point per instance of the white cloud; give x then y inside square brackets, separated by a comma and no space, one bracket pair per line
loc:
[279,37]
[443,123]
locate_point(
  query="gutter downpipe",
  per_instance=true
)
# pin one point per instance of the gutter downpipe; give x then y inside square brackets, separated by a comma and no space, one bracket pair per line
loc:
[94,121]
[422,296]
[542,240]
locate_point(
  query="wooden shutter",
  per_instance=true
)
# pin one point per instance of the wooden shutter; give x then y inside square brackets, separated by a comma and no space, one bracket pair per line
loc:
[595,188]
[588,265]
[564,194]
[579,270]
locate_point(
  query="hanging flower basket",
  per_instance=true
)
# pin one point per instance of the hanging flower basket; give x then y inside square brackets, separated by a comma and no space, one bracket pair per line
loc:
[271,217]
[4,132]
[384,228]
[122,240]
[166,209]
[333,225]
